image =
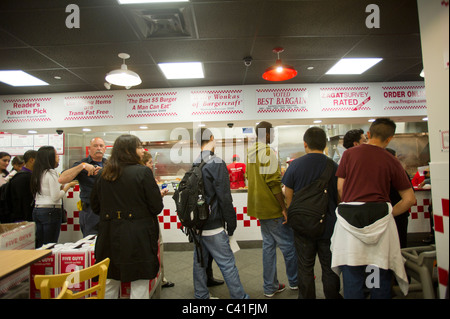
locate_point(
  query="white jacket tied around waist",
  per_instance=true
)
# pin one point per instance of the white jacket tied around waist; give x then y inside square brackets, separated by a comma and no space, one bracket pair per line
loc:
[376,244]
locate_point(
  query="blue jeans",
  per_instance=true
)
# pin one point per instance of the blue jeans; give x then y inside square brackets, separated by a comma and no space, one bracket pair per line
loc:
[356,278]
[219,247]
[48,225]
[275,233]
[89,222]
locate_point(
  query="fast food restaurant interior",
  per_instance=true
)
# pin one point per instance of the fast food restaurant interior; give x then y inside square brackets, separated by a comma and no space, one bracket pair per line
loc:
[72,47]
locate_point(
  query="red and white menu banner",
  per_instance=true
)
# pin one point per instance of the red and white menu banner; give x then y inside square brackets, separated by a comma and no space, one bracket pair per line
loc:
[29,110]
[216,102]
[345,98]
[405,97]
[151,104]
[88,107]
[282,100]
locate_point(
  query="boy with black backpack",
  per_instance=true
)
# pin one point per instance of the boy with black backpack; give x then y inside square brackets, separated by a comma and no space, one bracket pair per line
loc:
[312,236]
[212,237]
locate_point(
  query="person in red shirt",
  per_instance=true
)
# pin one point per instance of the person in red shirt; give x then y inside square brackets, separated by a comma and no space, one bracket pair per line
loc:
[365,233]
[237,173]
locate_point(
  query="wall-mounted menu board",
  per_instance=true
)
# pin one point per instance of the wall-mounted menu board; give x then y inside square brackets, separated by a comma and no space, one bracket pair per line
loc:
[17,144]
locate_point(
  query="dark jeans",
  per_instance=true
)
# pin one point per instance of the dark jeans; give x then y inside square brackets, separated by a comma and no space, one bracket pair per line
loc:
[48,225]
[356,278]
[88,221]
[307,249]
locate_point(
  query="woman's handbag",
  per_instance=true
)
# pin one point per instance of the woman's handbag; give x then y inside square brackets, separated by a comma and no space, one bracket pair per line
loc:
[63,214]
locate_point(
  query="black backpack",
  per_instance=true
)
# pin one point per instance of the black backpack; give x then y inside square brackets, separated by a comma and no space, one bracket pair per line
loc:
[308,210]
[191,207]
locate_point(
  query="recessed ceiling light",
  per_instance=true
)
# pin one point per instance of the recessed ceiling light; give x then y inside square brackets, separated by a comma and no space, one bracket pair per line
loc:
[201,125]
[353,66]
[86,130]
[56,77]
[317,121]
[147,1]
[143,127]
[32,131]
[310,68]
[425,119]
[182,70]
[20,78]
[371,120]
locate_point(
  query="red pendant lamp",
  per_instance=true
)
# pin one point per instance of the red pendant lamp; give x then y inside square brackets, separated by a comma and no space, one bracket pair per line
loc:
[279,71]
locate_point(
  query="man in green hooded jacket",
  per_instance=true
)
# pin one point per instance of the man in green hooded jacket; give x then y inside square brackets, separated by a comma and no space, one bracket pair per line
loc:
[266,202]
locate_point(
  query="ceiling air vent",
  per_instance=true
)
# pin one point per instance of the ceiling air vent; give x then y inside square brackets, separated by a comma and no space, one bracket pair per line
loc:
[162,23]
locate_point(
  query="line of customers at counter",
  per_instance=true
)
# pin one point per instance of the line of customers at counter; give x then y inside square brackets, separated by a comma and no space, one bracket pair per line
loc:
[126,186]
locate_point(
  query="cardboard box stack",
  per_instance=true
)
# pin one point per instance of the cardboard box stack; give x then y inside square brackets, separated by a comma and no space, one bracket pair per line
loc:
[64,258]
[74,256]
[16,236]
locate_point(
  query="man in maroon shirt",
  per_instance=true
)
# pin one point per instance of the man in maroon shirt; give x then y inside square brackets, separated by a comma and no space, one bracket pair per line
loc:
[365,175]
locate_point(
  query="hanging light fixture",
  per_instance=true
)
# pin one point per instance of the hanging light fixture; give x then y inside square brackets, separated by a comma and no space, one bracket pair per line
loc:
[123,76]
[279,71]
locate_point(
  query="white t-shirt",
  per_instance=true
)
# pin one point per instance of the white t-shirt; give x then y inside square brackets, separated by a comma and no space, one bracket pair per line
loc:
[51,193]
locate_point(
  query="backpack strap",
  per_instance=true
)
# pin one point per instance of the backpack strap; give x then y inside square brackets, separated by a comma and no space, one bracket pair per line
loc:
[327,172]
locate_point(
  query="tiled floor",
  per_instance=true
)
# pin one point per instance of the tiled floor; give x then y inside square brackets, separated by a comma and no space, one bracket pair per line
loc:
[178,269]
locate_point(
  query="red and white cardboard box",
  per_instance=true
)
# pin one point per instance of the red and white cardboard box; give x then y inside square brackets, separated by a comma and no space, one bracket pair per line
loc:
[45,266]
[17,236]
[70,261]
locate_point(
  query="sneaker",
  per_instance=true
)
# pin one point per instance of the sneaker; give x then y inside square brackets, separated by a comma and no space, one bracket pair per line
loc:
[293,288]
[281,288]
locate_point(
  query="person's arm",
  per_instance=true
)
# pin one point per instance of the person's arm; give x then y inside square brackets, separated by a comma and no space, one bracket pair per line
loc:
[221,185]
[340,187]
[152,193]
[408,200]
[70,174]
[289,194]
[57,190]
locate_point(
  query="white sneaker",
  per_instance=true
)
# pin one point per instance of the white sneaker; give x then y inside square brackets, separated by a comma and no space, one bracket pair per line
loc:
[281,287]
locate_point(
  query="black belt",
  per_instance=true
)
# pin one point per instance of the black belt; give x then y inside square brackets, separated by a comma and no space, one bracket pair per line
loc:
[47,206]
[119,215]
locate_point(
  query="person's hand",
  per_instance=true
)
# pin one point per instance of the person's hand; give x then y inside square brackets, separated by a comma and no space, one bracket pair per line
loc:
[66,187]
[164,192]
[91,169]
[284,212]
[73,184]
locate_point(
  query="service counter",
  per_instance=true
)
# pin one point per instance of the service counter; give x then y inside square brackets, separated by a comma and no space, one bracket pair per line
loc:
[419,218]
[247,227]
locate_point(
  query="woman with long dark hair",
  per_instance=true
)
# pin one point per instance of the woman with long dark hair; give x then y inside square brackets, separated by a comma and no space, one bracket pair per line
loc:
[128,200]
[48,194]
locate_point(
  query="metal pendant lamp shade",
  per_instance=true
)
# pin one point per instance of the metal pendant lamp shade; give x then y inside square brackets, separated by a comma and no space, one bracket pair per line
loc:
[279,71]
[123,76]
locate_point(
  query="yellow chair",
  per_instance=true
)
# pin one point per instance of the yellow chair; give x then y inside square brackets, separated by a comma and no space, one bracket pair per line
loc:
[47,282]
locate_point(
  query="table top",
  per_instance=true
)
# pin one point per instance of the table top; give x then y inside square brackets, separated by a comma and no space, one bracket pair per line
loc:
[14,260]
